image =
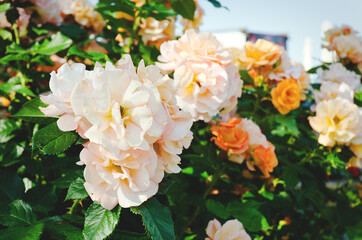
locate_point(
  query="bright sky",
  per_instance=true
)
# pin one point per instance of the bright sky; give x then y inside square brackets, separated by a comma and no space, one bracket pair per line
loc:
[298,19]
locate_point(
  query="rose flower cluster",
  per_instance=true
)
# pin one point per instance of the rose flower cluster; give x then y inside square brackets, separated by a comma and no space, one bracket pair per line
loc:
[207,83]
[346,43]
[338,120]
[268,63]
[131,119]
[243,139]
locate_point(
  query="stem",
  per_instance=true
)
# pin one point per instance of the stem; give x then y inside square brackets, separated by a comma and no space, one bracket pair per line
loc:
[215,178]
[71,209]
[17,39]
[136,24]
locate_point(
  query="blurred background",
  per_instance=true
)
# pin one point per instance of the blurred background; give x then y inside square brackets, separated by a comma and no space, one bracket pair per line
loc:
[301,22]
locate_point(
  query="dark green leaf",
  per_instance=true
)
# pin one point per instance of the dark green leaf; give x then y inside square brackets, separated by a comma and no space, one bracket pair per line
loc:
[244,75]
[20,214]
[100,222]
[184,7]
[43,60]
[32,232]
[72,30]
[42,198]
[51,140]
[11,186]
[67,178]
[63,230]
[217,208]
[31,112]
[76,190]
[157,219]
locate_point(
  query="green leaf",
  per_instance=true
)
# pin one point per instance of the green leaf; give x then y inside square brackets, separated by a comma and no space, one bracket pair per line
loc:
[67,178]
[10,87]
[290,176]
[11,186]
[31,112]
[244,75]
[76,190]
[10,153]
[184,7]
[288,125]
[157,219]
[32,232]
[126,235]
[216,3]
[42,198]
[217,208]
[14,57]
[250,217]
[7,128]
[51,140]
[73,31]
[100,222]
[6,35]
[20,214]
[63,230]
[4,7]
[57,43]
[14,48]
[43,60]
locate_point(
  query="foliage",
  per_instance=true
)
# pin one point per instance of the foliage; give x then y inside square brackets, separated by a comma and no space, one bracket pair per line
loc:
[311,195]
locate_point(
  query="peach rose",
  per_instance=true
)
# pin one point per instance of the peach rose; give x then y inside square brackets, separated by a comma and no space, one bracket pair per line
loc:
[337,121]
[127,179]
[348,46]
[286,96]
[261,53]
[231,230]
[338,31]
[156,32]
[264,158]
[84,13]
[4,21]
[331,90]
[230,137]
[206,81]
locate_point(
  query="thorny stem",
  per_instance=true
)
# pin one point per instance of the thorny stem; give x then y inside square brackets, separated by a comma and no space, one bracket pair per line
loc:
[71,209]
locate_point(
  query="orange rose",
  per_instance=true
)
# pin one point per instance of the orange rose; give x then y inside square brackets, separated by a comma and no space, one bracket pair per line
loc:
[286,96]
[265,159]
[230,137]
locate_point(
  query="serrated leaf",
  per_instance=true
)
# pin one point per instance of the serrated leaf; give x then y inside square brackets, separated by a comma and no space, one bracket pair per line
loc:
[32,232]
[186,8]
[157,219]
[63,230]
[100,222]
[57,43]
[76,190]
[31,112]
[11,186]
[20,214]
[217,208]
[51,140]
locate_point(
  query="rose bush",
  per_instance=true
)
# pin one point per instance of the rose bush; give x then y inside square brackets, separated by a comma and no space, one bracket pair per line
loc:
[113,127]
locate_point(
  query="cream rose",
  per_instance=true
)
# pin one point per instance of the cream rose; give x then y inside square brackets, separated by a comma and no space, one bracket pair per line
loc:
[337,73]
[156,32]
[337,121]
